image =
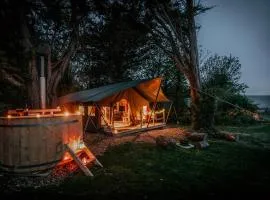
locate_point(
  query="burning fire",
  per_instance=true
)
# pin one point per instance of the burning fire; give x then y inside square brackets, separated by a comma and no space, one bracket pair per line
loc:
[66,157]
[84,160]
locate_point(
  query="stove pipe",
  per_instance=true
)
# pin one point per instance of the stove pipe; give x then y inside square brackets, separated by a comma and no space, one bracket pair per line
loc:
[42,84]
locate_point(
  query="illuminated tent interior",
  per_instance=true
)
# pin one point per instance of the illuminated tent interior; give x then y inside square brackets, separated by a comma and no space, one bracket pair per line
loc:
[120,107]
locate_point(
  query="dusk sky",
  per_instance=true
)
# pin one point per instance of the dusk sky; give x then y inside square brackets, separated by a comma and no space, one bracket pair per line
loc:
[242,28]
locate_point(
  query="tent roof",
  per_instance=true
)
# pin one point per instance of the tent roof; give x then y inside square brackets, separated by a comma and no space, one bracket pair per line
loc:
[146,88]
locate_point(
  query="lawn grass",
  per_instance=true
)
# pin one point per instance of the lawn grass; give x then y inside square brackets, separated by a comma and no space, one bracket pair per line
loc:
[145,171]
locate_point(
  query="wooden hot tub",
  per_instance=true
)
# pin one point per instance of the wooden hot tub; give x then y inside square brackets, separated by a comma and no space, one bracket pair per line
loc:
[35,143]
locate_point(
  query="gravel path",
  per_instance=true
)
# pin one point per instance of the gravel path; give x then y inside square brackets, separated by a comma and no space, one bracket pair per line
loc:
[98,143]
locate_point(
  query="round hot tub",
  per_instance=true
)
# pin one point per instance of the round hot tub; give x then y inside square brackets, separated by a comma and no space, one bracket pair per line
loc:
[35,143]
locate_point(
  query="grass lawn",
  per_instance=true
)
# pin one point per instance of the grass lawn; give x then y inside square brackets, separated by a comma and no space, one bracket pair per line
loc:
[145,171]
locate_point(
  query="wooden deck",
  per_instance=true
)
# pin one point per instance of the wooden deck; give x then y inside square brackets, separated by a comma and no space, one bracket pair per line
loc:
[120,131]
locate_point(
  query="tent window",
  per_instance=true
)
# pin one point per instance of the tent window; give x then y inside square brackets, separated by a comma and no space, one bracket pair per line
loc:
[90,110]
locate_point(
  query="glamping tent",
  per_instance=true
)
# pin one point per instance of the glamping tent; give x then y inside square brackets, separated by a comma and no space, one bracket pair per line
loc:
[121,107]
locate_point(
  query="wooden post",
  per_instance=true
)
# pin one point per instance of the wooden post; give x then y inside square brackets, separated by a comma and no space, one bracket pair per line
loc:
[85,126]
[141,116]
[105,114]
[97,116]
[154,106]
[169,112]
[111,111]
[113,116]
[128,107]
[154,118]
[163,116]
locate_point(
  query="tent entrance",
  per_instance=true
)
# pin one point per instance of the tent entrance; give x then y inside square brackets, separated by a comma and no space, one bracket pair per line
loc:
[120,118]
[117,115]
[121,114]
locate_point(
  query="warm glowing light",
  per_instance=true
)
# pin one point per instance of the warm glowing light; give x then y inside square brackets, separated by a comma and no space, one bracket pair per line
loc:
[160,111]
[38,115]
[66,113]
[66,157]
[78,113]
[84,160]
[9,116]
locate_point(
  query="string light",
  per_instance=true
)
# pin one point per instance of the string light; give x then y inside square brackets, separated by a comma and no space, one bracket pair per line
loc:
[66,113]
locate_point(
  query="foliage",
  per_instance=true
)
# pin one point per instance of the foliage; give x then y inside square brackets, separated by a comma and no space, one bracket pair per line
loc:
[55,29]
[221,91]
[113,47]
[220,75]
[173,29]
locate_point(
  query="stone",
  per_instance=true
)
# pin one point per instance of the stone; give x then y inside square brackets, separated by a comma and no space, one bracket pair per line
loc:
[196,137]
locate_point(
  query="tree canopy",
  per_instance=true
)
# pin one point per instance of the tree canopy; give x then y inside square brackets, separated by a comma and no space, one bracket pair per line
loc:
[88,43]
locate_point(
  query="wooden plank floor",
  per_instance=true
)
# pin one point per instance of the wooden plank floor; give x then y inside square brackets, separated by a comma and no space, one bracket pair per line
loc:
[137,128]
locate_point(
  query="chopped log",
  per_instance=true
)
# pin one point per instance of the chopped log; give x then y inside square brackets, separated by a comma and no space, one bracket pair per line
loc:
[165,141]
[196,137]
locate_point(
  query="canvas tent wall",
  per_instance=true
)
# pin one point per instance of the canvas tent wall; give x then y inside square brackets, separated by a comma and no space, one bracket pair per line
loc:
[138,93]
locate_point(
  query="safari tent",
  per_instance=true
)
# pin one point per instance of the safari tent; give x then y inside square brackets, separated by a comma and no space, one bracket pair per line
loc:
[120,107]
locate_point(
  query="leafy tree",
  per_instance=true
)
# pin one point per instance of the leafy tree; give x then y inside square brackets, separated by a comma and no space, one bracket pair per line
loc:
[117,44]
[220,76]
[173,29]
[157,64]
[29,24]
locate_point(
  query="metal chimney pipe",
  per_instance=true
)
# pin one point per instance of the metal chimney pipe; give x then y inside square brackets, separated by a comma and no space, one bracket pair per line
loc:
[42,84]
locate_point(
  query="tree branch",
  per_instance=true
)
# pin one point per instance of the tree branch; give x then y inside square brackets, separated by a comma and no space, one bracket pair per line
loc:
[14,79]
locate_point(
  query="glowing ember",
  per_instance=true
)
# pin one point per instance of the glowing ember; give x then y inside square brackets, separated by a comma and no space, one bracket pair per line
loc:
[9,116]
[66,157]
[38,115]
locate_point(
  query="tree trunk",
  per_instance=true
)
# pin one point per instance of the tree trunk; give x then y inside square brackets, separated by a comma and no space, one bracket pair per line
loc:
[209,107]
[195,103]
[193,74]
[194,84]
[58,72]
[33,85]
